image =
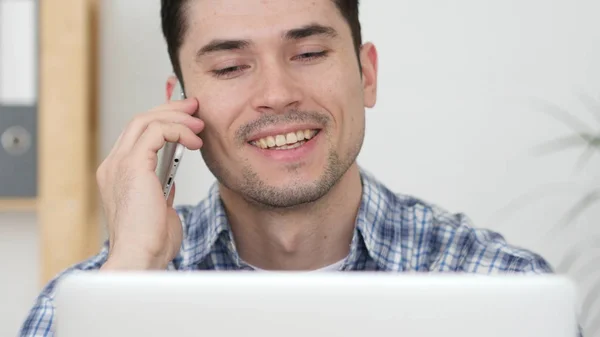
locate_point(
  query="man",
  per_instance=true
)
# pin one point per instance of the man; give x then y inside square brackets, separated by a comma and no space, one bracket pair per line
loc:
[277,95]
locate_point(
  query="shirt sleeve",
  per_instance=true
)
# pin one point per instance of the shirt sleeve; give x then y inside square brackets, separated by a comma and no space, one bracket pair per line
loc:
[486,251]
[479,250]
[40,320]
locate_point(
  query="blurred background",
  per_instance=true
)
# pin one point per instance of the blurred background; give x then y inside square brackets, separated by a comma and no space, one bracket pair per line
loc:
[489,108]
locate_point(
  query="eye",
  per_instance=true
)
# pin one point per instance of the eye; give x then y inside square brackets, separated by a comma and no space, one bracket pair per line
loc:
[311,56]
[229,71]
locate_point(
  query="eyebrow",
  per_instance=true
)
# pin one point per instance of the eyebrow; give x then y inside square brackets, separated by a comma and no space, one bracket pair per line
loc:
[222,45]
[310,30]
[293,34]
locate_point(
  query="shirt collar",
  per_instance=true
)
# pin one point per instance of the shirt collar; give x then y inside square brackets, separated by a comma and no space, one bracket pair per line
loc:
[374,234]
[203,226]
[376,231]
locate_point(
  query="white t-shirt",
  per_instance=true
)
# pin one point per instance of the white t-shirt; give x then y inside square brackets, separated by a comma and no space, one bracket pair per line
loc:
[332,267]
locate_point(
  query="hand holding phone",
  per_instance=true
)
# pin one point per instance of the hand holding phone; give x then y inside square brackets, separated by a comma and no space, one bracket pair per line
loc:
[144,230]
[169,157]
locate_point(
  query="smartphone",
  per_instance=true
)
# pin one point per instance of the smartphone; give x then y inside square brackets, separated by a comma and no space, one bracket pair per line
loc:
[169,157]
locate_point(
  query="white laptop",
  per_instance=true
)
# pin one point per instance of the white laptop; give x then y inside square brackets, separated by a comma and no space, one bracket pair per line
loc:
[243,304]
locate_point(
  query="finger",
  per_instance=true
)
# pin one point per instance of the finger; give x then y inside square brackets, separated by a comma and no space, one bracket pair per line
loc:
[184,109]
[171,197]
[137,127]
[188,105]
[158,133]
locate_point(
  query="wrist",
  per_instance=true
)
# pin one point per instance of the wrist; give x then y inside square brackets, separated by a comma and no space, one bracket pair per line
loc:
[128,261]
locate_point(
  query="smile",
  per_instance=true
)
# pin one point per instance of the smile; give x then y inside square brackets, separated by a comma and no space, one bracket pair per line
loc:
[288,141]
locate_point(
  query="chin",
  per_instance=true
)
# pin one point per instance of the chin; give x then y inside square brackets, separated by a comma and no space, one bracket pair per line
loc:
[285,188]
[282,197]
[290,175]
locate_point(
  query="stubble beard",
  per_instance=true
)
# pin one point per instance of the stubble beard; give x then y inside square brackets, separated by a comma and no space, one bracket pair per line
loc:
[252,188]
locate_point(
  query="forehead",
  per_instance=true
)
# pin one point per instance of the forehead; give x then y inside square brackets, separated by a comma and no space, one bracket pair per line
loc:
[253,19]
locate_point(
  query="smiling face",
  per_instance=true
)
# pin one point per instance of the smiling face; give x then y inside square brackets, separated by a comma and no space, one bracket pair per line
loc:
[280,92]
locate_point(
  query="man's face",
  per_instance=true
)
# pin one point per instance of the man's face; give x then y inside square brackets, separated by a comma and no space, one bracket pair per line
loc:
[281,93]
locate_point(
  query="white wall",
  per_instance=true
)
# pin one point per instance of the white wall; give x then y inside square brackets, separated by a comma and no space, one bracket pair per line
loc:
[454,79]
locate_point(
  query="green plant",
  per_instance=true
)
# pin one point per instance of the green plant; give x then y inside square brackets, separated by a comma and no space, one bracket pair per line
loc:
[588,139]
[582,136]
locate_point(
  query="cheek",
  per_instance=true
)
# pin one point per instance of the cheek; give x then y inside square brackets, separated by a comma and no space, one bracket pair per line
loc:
[338,89]
[219,109]
[349,92]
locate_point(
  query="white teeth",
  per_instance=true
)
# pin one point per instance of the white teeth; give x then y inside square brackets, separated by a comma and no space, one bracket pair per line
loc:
[280,140]
[284,142]
[288,147]
[291,138]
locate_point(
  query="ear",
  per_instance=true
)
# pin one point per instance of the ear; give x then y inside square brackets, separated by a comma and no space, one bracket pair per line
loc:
[368,60]
[170,86]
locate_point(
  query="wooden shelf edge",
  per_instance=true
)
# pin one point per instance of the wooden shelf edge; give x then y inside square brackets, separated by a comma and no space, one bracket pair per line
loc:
[18,205]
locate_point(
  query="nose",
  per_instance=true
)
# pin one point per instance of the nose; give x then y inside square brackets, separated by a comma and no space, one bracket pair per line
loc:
[276,90]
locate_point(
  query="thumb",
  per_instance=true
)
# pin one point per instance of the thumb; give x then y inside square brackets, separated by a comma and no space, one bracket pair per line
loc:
[171,197]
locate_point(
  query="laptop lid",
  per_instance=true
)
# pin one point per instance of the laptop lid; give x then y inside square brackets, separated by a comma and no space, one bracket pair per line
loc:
[237,304]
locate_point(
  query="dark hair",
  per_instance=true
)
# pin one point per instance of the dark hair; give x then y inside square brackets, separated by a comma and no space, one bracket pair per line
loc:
[174,26]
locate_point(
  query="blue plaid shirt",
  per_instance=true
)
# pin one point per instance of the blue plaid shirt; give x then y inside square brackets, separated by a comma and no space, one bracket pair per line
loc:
[394,232]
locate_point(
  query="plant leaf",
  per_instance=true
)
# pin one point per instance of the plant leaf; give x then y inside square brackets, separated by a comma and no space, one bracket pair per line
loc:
[530,197]
[591,104]
[591,298]
[577,251]
[583,204]
[585,157]
[562,116]
[589,266]
[563,143]
[593,328]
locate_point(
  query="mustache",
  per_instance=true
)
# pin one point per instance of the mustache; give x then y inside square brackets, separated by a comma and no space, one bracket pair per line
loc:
[291,116]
